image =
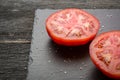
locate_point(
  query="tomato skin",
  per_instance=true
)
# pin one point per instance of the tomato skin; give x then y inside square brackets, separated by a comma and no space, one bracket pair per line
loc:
[71,42]
[62,41]
[102,67]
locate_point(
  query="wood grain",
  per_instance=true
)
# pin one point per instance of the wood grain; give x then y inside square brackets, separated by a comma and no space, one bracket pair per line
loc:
[14,61]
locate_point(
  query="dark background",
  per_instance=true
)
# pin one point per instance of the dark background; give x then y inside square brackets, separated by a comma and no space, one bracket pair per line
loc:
[16,24]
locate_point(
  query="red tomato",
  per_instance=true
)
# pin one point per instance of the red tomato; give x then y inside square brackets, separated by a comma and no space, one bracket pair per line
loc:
[105,53]
[72,27]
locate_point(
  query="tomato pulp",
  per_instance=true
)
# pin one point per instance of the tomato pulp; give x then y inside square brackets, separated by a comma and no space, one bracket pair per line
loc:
[72,27]
[105,53]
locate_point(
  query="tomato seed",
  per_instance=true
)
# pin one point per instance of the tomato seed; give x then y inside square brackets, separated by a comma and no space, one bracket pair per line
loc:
[74,32]
[118,45]
[117,56]
[100,45]
[106,58]
[118,66]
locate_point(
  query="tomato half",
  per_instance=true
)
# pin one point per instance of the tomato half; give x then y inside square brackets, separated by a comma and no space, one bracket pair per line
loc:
[105,53]
[72,27]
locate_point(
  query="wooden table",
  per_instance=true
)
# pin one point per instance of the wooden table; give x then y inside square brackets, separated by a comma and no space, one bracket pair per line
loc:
[16,24]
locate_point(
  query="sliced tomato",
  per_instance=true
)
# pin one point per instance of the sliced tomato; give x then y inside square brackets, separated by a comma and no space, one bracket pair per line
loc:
[72,27]
[105,53]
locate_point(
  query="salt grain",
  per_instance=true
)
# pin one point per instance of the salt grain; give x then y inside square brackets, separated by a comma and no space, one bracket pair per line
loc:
[81,68]
[49,61]
[65,72]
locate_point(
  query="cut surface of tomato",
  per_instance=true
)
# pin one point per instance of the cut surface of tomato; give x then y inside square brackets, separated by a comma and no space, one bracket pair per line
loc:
[72,27]
[105,53]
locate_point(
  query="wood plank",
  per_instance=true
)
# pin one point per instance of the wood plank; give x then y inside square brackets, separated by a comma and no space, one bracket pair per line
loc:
[57,4]
[16,21]
[14,61]
[16,26]
[15,37]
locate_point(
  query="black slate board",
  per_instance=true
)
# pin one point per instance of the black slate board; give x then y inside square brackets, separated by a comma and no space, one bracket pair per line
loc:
[49,61]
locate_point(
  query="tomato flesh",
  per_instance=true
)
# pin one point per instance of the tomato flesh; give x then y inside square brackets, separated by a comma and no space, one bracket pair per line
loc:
[72,27]
[105,53]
